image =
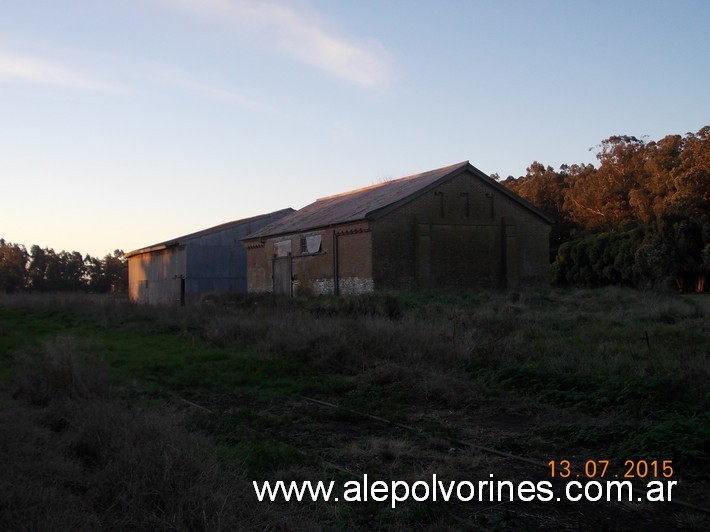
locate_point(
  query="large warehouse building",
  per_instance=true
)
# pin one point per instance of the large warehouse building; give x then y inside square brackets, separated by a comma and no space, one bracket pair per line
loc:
[451,228]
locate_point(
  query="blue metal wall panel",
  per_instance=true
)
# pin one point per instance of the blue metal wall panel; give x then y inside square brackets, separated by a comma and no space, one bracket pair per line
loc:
[212,260]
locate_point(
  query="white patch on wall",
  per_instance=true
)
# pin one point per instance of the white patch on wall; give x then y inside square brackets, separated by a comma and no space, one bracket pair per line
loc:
[356,285]
[322,286]
[347,286]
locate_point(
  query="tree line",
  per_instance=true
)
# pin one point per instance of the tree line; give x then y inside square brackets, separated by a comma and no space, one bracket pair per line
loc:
[44,270]
[641,217]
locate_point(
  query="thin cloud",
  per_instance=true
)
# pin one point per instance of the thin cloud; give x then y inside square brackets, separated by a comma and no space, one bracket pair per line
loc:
[16,68]
[306,39]
[214,92]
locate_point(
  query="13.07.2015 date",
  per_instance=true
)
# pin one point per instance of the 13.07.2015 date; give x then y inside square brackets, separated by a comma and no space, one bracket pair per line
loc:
[600,469]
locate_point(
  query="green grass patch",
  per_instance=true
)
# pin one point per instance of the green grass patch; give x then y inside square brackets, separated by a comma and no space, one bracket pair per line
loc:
[685,440]
[174,363]
[163,361]
[653,396]
[261,457]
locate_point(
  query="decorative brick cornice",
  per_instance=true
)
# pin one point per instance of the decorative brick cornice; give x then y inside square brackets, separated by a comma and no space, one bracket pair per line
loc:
[254,244]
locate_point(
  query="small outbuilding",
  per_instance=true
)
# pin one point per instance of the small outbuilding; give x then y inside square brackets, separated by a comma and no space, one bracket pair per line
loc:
[450,228]
[183,269]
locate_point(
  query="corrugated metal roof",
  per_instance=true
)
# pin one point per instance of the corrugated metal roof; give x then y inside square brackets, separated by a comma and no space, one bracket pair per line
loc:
[222,227]
[368,202]
[356,204]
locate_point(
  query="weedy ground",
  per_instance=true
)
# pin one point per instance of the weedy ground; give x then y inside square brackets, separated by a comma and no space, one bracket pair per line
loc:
[123,416]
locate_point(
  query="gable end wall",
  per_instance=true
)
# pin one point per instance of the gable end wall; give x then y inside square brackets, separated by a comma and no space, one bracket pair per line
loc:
[461,234]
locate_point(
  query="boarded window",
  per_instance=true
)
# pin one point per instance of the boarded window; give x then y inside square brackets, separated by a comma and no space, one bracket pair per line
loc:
[282,249]
[313,243]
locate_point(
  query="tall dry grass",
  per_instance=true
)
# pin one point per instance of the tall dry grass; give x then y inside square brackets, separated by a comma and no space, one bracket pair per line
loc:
[608,330]
[57,371]
[613,331]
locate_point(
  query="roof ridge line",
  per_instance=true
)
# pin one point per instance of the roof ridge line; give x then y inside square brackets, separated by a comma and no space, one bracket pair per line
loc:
[389,181]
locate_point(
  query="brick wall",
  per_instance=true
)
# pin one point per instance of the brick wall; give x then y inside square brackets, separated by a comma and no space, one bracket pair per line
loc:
[463,234]
[312,271]
[454,236]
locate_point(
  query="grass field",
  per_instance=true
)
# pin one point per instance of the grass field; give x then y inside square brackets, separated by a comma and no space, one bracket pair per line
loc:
[124,416]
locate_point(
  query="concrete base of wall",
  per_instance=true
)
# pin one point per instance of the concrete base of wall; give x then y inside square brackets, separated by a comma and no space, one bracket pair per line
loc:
[356,285]
[347,286]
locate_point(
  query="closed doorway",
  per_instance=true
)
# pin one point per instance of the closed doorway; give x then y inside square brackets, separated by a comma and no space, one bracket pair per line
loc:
[282,276]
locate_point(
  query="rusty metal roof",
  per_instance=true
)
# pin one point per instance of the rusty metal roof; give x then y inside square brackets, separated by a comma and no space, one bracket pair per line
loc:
[356,204]
[367,203]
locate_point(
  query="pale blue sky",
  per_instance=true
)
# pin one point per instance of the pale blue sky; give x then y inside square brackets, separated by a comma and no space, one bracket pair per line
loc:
[127,122]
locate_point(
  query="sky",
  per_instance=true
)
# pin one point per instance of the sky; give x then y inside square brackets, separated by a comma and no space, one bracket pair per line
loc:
[124,123]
